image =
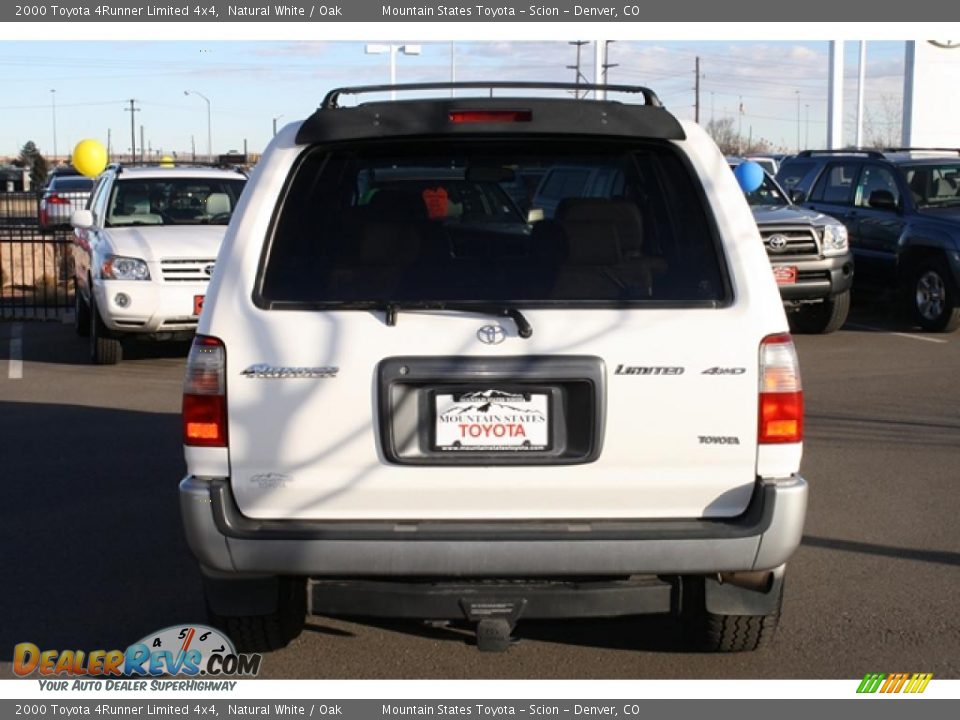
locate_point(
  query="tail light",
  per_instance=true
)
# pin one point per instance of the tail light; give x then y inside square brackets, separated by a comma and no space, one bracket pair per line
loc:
[459,117]
[57,200]
[781,394]
[205,394]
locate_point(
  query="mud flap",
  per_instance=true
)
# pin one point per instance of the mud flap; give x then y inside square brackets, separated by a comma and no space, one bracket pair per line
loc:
[730,598]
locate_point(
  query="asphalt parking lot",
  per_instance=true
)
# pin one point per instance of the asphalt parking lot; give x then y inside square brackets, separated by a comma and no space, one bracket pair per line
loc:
[93,554]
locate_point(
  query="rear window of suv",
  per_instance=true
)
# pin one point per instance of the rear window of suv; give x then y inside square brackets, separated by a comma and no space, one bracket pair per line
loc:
[428,223]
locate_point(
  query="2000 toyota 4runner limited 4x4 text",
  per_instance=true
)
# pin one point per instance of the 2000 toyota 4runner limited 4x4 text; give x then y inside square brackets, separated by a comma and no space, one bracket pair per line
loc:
[409,397]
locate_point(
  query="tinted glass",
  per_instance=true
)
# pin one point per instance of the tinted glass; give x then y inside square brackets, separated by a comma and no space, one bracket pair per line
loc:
[365,226]
[837,183]
[71,184]
[767,194]
[875,183]
[791,173]
[565,182]
[173,201]
[934,185]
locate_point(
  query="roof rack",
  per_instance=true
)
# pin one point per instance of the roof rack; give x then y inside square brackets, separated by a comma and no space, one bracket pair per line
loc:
[921,149]
[172,163]
[330,100]
[849,151]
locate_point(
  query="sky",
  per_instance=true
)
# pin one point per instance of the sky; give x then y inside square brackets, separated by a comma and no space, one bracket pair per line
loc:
[249,84]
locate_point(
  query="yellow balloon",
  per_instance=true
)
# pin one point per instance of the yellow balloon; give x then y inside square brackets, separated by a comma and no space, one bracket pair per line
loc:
[89,157]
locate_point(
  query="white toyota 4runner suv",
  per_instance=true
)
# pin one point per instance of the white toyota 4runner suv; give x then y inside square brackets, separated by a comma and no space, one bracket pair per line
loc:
[408,398]
[144,251]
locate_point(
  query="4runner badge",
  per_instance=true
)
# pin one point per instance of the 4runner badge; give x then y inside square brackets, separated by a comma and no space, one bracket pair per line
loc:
[269,371]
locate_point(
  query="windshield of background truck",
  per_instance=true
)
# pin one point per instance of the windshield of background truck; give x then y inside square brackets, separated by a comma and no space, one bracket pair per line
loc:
[768,194]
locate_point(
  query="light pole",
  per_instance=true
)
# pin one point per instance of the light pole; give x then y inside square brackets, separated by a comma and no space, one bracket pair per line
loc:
[453,68]
[275,124]
[806,131]
[209,132]
[53,107]
[798,119]
[378,49]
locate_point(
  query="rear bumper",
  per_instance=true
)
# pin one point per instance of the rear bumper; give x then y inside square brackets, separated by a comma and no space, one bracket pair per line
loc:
[817,279]
[225,541]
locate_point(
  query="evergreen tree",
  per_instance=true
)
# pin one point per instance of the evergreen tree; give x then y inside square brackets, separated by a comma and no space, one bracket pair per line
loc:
[31,158]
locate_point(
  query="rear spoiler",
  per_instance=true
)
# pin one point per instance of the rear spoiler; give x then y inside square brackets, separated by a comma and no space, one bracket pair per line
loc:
[524,115]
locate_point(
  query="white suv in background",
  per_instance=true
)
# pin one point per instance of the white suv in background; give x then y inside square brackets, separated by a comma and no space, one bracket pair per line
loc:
[409,397]
[144,251]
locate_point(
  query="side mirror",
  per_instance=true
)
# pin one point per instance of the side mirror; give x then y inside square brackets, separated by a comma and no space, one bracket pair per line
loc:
[534,215]
[797,196]
[882,200]
[82,219]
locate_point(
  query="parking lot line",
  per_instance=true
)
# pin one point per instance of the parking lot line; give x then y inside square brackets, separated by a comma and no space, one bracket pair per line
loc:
[15,371]
[898,334]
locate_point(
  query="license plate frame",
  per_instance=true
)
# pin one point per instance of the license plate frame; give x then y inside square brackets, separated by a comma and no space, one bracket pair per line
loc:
[495,421]
[785,274]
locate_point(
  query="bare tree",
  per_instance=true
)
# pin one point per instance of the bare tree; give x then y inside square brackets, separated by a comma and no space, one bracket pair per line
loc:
[883,122]
[724,134]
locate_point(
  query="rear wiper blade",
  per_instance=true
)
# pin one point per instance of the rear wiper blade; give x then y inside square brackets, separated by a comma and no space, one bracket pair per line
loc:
[524,329]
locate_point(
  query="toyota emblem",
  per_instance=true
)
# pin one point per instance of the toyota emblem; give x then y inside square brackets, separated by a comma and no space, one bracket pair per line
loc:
[208,269]
[491,334]
[777,243]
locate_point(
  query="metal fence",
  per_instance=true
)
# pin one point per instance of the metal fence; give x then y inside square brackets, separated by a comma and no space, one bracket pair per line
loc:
[36,263]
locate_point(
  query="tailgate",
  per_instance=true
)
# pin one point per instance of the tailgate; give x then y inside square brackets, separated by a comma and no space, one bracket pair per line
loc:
[600,414]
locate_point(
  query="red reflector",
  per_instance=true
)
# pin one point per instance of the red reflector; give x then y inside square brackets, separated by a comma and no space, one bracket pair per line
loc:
[57,200]
[490,116]
[205,420]
[781,417]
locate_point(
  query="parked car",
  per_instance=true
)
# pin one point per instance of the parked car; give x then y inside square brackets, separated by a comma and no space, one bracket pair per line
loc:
[769,163]
[144,251]
[397,406]
[63,195]
[810,256]
[901,208]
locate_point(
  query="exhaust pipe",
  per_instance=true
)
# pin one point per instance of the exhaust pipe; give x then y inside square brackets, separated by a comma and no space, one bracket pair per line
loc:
[758,581]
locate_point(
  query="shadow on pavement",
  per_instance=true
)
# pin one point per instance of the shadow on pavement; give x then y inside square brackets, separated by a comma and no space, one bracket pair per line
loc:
[93,551]
[942,557]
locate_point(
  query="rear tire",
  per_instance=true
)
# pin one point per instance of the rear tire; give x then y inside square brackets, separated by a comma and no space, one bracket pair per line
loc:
[824,317]
[725,633]
[932,296]
[273,631]
[104,350]
[81,312]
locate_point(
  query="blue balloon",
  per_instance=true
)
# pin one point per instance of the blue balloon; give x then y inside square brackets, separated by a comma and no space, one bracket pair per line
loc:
[749,175]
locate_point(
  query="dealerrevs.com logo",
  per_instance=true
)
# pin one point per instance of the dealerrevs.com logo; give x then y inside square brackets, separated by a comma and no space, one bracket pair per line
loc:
[909,683]
[188,651]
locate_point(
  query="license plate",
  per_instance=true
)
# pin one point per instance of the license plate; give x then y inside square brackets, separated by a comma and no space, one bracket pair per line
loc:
[492,421]
[785,274]
[197,304]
